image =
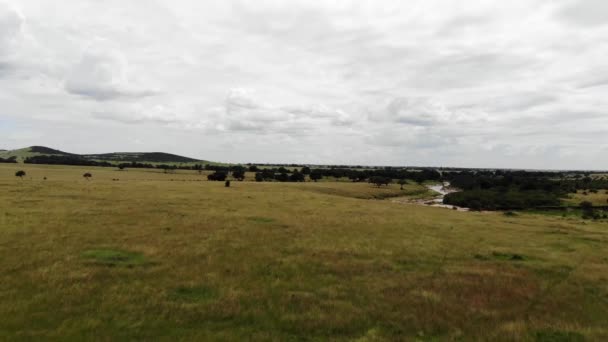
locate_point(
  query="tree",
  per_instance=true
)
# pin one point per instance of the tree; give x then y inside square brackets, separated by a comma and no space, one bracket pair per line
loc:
[297,177]
[315,175]
[402,182]
[587,209]
[20,174]
[306,170]
[87,175]
[281,177]
[259,177]
[239,174]
[253,168]
[379,180]
[218,176]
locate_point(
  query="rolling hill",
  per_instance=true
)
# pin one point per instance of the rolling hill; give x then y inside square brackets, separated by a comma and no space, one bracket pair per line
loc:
[140,157]
[157,157]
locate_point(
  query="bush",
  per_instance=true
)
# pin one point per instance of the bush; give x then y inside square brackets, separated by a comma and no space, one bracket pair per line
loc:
[259,177]
[239,174]
[378,180]
[219,176]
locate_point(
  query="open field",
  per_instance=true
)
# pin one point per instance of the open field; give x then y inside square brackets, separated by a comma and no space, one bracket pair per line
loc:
[600,198]
[175,256]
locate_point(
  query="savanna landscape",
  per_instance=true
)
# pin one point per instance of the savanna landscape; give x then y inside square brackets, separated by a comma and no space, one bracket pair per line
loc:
[296,170]
[138,254]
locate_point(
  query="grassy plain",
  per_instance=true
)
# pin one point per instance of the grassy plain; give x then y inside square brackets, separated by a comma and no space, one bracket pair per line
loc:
[600,198]
[171,256]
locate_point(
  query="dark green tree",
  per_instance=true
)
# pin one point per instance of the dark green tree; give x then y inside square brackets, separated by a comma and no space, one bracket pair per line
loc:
[259,177]
[315,175]
[379,180]
[218,176]
[297,177]
[239,174]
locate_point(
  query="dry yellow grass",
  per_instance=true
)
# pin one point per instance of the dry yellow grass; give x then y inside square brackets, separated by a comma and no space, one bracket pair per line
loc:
[146,258]
[598,198]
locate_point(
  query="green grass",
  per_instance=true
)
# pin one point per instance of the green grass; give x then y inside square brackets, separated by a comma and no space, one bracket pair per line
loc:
[114,257]
[195,294]
[174,257]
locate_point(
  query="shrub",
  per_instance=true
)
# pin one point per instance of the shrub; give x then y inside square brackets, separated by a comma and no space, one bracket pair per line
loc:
[219,176]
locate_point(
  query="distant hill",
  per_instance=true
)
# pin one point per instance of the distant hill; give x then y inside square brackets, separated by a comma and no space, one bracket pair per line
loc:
[140,157]
[155,157]
[48,151]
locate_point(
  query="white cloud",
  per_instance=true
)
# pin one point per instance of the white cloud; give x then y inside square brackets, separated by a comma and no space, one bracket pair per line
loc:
[102,74]
[427,82]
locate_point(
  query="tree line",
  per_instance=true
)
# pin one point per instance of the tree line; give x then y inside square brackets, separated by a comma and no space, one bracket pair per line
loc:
[11,160]
[506,190]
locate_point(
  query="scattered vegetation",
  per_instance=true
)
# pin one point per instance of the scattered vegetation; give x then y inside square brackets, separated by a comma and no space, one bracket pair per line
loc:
[114,257]
[194,294]
[159,256]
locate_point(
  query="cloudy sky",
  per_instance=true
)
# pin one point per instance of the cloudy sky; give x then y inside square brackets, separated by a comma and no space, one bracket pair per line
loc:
[520,83]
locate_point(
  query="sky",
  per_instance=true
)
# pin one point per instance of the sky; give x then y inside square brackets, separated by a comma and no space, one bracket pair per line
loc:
[508,84]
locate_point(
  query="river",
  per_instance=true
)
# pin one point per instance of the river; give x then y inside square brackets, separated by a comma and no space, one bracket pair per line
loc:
[437,201]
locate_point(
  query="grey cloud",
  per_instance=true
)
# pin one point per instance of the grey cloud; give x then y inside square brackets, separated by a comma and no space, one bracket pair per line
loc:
[466,69]
[586,13]
[11,24]
[428,82]
[424,112]
[521,101]
[138,114]
[462,23]
[596,78]
[336,116]
[417,111]
[411,137]
[244,112]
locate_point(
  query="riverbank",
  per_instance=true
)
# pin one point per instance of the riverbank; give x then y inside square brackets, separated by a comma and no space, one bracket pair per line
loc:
[441,190]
